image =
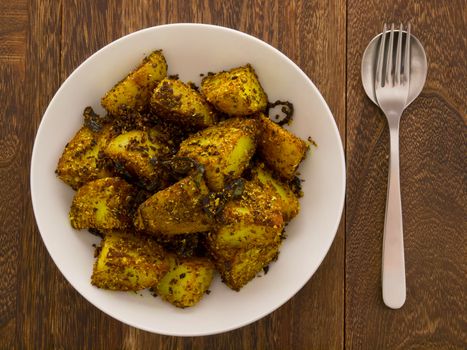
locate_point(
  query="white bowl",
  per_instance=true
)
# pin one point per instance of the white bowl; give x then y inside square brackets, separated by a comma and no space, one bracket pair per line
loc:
[191,49]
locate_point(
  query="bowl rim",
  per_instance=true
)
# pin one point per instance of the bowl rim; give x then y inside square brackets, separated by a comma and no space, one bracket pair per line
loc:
[341,160]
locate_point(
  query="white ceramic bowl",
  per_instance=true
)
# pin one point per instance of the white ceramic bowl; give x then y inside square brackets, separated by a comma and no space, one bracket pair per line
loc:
[191,49]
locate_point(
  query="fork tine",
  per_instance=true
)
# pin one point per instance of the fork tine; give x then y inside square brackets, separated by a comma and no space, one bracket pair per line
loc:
[397,70]
[389,76]
[379,64]
[407,55]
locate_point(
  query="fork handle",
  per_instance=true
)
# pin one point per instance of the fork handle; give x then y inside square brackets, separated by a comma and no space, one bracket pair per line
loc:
[393,264]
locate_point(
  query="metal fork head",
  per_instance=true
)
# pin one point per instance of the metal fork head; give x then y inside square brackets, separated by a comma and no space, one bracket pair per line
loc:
[392,76]
[393,64]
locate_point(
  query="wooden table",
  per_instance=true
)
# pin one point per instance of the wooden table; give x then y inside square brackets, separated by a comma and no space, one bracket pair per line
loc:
[42,42]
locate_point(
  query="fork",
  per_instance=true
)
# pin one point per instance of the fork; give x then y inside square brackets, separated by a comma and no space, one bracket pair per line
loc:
[392,81]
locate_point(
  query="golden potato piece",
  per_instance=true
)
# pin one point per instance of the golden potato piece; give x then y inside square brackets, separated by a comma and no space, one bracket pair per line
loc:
[239,266]
[83,160]
[134,91]
[225,151]
[186,282]
[175,210]
[133,151]
[102,204]
[236,92]
[179,103]
[279,148]
[128,262]
[254,219]
[288,201]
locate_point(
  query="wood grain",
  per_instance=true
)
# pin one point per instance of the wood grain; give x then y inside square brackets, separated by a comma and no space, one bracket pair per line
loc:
[433,164]
[13,158]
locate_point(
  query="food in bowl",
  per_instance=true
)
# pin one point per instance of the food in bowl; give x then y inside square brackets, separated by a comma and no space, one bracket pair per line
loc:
[182,181]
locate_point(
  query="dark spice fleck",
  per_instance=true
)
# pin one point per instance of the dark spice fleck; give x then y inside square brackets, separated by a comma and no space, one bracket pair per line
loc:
[96,232]
[287,110]
[312,142]
[214,202]
[296,186]
[193,85]
[92,120]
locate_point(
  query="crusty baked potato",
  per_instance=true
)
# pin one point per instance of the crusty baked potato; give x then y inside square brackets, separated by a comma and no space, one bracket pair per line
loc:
[134,91]
[239,266]
[247,235]
[223,149]
[186,282]
[103,204]
[128,262]
[288,200]
[235,92]
[83,158]
[175,210]
[132,152]
[180,103]
[279,148]
[253,219]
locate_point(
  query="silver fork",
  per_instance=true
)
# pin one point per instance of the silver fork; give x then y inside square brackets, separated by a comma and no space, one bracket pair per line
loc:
[392,89]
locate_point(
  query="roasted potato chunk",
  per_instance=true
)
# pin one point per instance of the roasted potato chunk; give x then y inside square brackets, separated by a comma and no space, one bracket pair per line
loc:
[82,159]
[288,201]
[254,219]
[103,204]
[179,103]
[133,151]
[279,148]
[134,91]
[186,282]
[236,92]
[225,152]
[239,266]
[175,210]
[247,235]
[128,262]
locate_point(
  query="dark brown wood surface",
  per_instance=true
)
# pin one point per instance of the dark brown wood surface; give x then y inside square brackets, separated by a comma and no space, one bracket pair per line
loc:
[42,42]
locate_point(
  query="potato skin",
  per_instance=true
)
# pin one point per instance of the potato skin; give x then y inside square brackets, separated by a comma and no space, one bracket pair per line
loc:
[179,103]
[82,159]
[281,150]
[103,204]
[235,92]
[128,262]
[186,282]
[224,150]
[175,210]
[133,151]
[288,201]
[134,91]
